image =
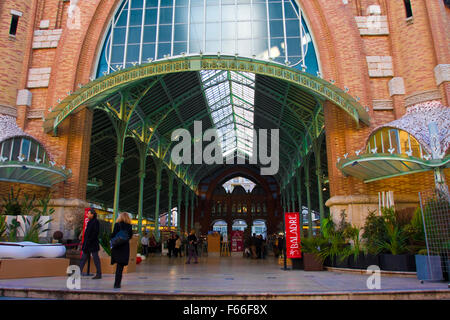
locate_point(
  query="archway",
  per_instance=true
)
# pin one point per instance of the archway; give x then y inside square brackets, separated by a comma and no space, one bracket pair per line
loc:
[146,100]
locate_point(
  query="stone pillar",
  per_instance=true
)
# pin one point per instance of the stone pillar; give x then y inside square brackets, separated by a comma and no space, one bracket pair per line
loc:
[68,216]
[397,92]
[24,98]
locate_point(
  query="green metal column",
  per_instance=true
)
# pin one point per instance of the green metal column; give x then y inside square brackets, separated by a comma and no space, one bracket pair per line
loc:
[121,129]
[186,204]
[308,197]
[142,165]
[158,189]
[299,199]
[119,161]
[179,206]
[288,198]
[293,196]
[169,210]
[192,209]
[319,178]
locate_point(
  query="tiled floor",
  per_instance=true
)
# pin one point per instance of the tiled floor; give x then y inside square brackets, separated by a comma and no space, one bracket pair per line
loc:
[228,275]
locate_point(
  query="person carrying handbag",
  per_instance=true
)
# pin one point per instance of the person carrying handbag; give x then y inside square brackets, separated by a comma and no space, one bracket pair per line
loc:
[120,245]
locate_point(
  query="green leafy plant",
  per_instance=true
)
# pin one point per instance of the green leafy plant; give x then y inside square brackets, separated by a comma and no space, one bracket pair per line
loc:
[313,244]
[3,228]
[12,230]
[334,245]
[395,241]
[105,240]
[11,205]
[43,208]
[27,206]
[374,232]
[34,227]
[356,247]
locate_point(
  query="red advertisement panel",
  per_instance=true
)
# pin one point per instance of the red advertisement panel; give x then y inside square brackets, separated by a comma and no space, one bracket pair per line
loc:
[292,223]
[85,222]
[237,241]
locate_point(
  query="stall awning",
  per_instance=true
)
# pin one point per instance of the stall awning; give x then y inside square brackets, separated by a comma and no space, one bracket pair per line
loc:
[32,173]
[373,167]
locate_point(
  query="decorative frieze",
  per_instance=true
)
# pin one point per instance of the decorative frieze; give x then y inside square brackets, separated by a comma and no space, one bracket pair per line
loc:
[35,114]
[8,111]
[39,77]
[46,38]
[380,66]
[423,96]
[382,105]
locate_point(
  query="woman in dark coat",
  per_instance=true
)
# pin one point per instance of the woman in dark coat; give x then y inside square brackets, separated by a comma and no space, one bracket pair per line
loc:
[121,254]
[91,243]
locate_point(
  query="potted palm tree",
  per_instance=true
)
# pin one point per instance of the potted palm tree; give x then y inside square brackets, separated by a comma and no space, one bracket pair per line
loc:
[311,246]
[333,252]
[393,248]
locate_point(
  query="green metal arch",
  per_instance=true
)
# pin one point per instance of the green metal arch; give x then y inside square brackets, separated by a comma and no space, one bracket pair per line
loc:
[117,80]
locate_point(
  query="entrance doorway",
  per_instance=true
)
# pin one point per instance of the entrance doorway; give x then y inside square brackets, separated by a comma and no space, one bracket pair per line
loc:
[239,225]
[259,228]
[221,227]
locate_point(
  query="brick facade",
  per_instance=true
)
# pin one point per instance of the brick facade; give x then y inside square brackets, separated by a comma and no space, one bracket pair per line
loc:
[369,61]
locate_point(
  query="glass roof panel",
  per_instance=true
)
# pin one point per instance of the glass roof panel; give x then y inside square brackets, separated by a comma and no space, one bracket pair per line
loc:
[230,97]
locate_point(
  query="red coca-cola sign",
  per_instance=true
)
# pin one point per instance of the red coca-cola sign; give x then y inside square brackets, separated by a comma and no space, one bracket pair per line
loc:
[292,223]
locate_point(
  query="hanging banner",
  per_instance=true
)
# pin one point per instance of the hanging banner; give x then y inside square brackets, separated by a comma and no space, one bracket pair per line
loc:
[237,241]
[85,222]
[292,223]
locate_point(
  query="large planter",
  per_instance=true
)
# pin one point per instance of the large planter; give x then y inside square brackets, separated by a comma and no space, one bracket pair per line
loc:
[311,262]
[428,267]
[363,261]
[398,262]
[297,264]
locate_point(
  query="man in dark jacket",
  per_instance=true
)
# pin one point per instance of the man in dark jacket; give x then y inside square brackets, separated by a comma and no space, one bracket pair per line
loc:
[91,243]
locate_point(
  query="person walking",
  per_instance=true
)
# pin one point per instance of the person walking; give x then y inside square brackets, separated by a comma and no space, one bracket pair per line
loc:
[177,246]
[171,245]
[91,243]
[144,242]
[253,246]
[152,244]
[192,243]
[121,253]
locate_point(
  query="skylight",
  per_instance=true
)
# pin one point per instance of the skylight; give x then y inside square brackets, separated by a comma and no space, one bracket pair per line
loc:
[231,97]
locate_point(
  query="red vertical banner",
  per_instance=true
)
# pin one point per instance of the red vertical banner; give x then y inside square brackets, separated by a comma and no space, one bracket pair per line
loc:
[85,222]
[292,223]
[237,241]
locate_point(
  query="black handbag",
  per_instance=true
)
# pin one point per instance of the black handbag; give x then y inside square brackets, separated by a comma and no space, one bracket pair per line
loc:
[120,239]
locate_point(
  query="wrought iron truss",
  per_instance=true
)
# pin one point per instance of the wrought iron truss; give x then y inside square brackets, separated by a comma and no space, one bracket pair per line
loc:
[148,102]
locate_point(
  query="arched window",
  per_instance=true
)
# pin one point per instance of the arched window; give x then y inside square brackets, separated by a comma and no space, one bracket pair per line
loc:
[142,31]
[23,149]
[392,140]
